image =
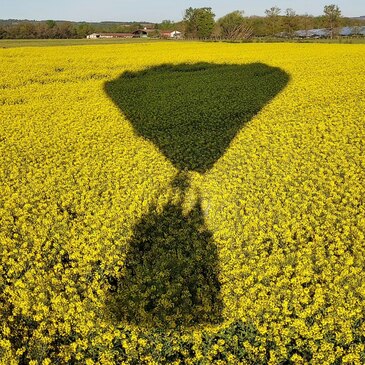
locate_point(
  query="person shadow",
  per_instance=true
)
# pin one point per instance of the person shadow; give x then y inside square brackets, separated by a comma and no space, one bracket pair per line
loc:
[191,112]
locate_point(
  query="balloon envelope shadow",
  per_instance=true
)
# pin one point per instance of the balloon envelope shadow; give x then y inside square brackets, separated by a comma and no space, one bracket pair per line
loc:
[191,112]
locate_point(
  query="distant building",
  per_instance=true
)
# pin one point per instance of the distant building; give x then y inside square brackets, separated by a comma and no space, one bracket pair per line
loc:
[140,33]
[352,31]
[313,33]
[170,34]
[326,33]
[109,35]
[143,33]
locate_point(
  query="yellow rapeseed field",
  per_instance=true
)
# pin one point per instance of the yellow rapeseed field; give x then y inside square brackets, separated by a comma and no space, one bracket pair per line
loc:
[182,203]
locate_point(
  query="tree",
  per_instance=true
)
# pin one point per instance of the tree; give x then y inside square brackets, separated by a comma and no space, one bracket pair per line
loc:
[166,25]
[199,22]
[84,29]
[65,30]
[258,26]
[3,32]
[273,18]
[26,30]
[216,33]
[306,22]
[332,14]
[51,24]
[233,26]
[290,21]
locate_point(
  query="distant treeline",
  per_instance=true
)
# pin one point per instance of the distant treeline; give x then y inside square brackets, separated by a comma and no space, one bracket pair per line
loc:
[50,29]
[197,23]
[262,26]
[200,23]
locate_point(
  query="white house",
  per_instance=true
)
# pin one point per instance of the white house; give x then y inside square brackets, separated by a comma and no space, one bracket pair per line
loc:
[109,35]
[171,34]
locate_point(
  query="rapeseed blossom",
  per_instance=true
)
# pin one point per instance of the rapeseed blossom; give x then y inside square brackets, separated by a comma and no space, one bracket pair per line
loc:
[277,217]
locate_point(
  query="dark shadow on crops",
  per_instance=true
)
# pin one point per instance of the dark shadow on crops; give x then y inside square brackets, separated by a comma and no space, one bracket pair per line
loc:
[191,112]
[170,277]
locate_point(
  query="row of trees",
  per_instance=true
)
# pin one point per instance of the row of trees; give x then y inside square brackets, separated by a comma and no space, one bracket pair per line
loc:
[200,23]
[58,30]
[197,23]
[44,30]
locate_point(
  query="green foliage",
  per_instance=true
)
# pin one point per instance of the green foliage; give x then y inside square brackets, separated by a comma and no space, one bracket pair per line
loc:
[290,21]
[332,14]
[84,29]
[273,19]
[234,26]
[51,24]
[166,25]
[199,22]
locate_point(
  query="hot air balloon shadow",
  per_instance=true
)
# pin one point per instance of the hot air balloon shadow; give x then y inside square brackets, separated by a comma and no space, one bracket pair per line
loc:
[191,112]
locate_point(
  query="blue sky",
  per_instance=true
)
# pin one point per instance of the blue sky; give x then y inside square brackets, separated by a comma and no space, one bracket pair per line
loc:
[157,10]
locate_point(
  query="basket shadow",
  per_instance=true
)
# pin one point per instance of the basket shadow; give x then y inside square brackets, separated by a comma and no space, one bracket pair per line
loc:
[191,112]
[170,276]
